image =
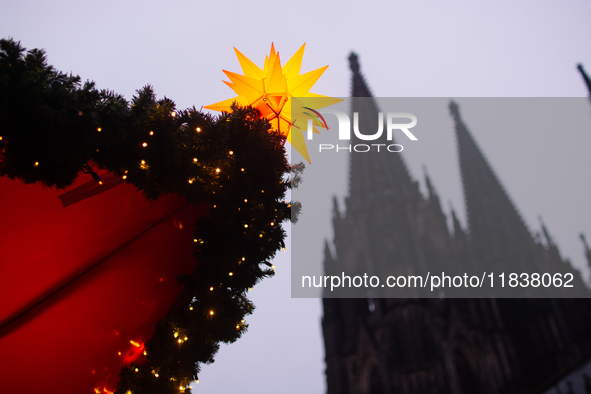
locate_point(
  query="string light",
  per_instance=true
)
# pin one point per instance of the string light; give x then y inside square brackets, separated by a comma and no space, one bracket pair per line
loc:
[217,170]
[272,223]
[198,129]
[242,169]
[36,163]
[176,334]
[145,144]
[190,180]
[245,200]
[211,288]
[211,313]
[262,191]
[231,152]
[185,338]
[151,133]
[237,326]
[124,177]
[190,308]
[261,235]
[195,160]
[99,129]
[243,259]
[180,340]
[246,226]
[173,114]
[272,267]
[231,274]
[145,353]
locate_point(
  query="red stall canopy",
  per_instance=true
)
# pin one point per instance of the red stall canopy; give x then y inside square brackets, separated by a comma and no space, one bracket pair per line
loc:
[85,274]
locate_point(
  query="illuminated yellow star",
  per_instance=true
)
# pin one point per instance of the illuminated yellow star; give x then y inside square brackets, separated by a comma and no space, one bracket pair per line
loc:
[271,89]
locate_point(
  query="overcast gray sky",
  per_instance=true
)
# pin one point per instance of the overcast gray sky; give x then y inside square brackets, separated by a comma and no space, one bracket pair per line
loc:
[406,48]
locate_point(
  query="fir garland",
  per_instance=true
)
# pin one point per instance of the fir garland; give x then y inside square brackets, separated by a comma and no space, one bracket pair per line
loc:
[52,127]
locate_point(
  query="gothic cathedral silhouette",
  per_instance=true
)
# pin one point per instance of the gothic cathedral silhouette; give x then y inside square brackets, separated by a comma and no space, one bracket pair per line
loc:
[444,345]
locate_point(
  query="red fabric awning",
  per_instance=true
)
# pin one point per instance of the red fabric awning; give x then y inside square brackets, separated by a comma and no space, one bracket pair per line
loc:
[85,274]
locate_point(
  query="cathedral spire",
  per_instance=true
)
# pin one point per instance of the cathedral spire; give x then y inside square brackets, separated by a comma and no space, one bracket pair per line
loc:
[374,175]
[495,226]
[585,77]
[359,88]
[587,250]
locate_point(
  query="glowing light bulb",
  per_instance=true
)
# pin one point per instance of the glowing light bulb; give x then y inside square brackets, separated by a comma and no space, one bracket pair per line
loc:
[237,326]
[195,240]
[190,308]
[272,223]
[145,144]
[246,226]
[145,353]
[198,129]
[231,152]
[176,334]
[185,338]
[119,353]
[180,340]
[36,163]
[245,200]
[217,170]
[262,191]
[190,181]
[173,114]
[211,288]
[124,177]
[137,370]
[242,169]
[195,160]
[215,206]
[100,182]
[243,259]
[261,235]
[231,274]
[151,133]
[99,129]
[211,313]
[156,375]
[272,267]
